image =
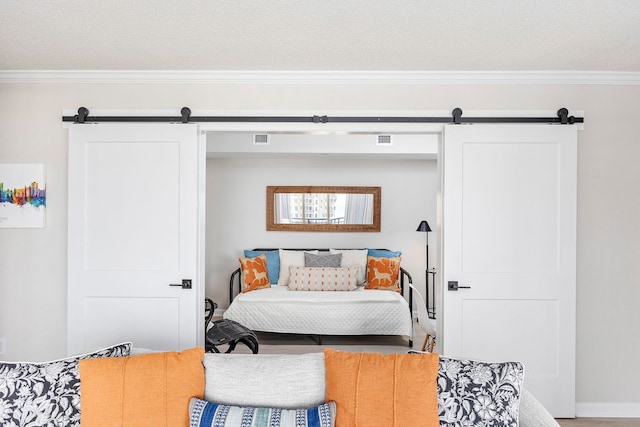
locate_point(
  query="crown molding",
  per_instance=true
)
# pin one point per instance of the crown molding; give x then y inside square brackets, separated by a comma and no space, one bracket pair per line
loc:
[323,77]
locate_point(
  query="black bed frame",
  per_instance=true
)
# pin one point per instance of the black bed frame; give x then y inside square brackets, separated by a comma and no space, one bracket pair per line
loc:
[235,287]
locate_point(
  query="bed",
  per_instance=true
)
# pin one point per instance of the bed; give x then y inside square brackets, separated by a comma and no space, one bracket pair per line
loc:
[320,313]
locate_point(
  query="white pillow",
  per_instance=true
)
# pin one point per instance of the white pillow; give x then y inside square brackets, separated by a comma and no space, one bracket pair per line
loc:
[354,257]
[532,413]
[269,380]
[289,258]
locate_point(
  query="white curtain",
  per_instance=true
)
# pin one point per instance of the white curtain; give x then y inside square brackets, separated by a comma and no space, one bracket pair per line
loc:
[359,209]
[282,209]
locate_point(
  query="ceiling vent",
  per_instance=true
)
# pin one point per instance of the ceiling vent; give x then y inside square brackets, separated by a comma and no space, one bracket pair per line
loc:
[384,140]
[261,139]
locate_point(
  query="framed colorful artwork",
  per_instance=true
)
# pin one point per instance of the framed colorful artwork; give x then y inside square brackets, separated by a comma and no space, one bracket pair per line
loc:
[23,196]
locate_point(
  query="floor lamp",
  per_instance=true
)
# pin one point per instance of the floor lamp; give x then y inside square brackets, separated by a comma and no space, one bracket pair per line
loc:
[424,227]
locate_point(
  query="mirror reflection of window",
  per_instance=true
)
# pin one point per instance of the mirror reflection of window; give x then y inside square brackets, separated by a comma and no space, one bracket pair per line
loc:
[323,208]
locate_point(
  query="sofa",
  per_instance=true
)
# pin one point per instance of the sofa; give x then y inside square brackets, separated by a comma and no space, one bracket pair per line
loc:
[124,386]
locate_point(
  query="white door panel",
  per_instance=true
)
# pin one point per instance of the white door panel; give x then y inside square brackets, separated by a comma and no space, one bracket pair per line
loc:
[141,204]
[505,187]
[509,220]
[133,231]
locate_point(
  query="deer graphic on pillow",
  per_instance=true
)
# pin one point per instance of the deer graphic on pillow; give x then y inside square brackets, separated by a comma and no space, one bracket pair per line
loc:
[382,273]
[254,273]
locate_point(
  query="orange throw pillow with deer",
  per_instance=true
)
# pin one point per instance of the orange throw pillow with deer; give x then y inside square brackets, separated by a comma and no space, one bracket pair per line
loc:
[254,273]
[382,273]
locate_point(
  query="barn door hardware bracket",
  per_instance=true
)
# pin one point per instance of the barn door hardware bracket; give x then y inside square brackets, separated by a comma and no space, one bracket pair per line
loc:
[186,114]
[82,115]
[457,115]
[565,118]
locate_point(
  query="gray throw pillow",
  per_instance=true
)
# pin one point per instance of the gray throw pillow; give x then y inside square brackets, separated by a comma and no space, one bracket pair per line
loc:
[267,380]
[330,260]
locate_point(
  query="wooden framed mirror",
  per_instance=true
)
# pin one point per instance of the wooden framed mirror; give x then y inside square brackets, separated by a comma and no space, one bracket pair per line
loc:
[313,208]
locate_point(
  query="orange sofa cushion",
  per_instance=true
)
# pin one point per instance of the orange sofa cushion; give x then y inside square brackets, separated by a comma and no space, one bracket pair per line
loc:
[146,390]
[375,390]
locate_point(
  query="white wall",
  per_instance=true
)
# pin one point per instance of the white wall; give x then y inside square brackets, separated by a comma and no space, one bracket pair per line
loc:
[236,209]
[33,262]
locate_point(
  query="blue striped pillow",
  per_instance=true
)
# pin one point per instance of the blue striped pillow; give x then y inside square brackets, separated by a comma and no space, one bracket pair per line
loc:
[209,414]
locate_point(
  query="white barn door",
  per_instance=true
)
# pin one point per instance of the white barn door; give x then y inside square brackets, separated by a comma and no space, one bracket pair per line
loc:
[133,232]
[509,235]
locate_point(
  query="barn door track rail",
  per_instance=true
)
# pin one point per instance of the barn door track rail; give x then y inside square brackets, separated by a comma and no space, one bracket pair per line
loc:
[185,117]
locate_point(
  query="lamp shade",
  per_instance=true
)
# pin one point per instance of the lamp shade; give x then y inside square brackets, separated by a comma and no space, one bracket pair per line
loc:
[424,226]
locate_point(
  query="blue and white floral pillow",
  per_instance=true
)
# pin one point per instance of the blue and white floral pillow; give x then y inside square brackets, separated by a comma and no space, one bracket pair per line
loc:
[48,393]
[473,393]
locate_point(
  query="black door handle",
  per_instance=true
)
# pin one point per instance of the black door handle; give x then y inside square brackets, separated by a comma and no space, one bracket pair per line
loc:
[186,284]
[453,286]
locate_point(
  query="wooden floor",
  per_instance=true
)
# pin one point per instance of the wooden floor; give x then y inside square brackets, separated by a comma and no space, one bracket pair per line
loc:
[297,344]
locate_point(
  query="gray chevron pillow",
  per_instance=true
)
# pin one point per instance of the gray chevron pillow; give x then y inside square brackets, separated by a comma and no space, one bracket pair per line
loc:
[330,260]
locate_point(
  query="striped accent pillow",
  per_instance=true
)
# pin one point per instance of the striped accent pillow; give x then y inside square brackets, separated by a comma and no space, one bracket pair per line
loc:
[323,278]
[209,414]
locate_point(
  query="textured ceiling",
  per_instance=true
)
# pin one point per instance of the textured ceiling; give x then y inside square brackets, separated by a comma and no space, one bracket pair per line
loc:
[321,35]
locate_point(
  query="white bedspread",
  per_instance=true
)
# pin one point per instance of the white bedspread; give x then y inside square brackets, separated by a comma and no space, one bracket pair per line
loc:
[360,312]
